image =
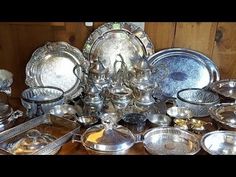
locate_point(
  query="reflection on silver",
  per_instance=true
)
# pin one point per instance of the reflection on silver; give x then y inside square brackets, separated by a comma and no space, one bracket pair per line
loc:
[171,141]
[187,69]
[180,112]
[6,80]
[225,115]
[225,87]
[52,65]
[111,39]
[219,143]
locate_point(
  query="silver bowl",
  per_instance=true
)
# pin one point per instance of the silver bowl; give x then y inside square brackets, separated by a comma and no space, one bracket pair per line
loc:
[226,88]
[219,143]
[40,100]
[179,112]
[197,100]
[87,120]
[171,141]
[66,111]
[225,115]
[161,120]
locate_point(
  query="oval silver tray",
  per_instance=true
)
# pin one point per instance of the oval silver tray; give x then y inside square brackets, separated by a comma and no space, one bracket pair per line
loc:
[52,65]
[186,69]
[111,39]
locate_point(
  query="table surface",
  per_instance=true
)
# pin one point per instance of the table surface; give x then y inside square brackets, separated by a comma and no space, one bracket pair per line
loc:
[78,149]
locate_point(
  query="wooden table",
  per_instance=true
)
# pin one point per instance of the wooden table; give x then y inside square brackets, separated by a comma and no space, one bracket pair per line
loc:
[77,148]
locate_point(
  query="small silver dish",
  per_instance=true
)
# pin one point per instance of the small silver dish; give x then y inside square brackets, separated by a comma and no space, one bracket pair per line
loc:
[66,111]
[219,143]
[87,120]
[180,112]
[161,120]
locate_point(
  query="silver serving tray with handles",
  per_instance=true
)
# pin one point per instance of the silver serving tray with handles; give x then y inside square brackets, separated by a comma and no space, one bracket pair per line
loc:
[52,65]
[61,128]
[111,39]
[186,69]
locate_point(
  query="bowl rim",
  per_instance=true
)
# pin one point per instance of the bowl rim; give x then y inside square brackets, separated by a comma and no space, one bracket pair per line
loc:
[197,103]
[61,96]
[202,141]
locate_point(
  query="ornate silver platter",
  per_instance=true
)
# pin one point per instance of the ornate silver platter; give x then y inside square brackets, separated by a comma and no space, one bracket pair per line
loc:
[52,65]
[111,39]
[186,69]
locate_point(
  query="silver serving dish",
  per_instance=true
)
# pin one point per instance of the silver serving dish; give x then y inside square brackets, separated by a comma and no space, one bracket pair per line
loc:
[180,112]
[186,69]
[112,39]
[56,131]
[106,138]
[66,111]
[226,88]
[6,80]
[219,142]
[161,120]
[225,115]
[52,65]
[197,100]
[40,100]
[171,141]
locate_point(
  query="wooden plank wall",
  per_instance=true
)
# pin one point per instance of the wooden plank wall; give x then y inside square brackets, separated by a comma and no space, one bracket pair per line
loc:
[19,40]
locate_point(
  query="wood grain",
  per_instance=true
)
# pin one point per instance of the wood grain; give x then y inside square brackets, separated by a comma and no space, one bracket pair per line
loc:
[161,34]
[224,53]
[196,36]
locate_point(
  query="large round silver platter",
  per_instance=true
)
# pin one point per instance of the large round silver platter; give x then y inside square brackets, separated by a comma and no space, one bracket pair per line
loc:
[219,142]
[226,87]
[52,65]
[111,39]
[186,69]
[171,141]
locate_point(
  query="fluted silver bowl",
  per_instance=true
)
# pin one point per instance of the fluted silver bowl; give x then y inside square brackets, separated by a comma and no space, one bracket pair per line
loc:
[39,100]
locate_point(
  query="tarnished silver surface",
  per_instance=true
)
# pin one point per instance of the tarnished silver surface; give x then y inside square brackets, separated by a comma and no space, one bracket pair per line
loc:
[225,87]
[171,141]
[186,69]
[180,112]
[224,114]
[52,65]
[49,123]
[197,100]
[111,39]
[219,142]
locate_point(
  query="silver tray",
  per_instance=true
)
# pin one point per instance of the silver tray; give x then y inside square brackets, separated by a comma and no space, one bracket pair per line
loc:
[226,87]
[52,65]
[219,142]
[111,39]
[62,129]
[186,69]
[171,141]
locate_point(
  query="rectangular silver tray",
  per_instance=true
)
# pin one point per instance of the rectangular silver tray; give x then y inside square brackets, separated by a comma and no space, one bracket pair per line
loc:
[61,128]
